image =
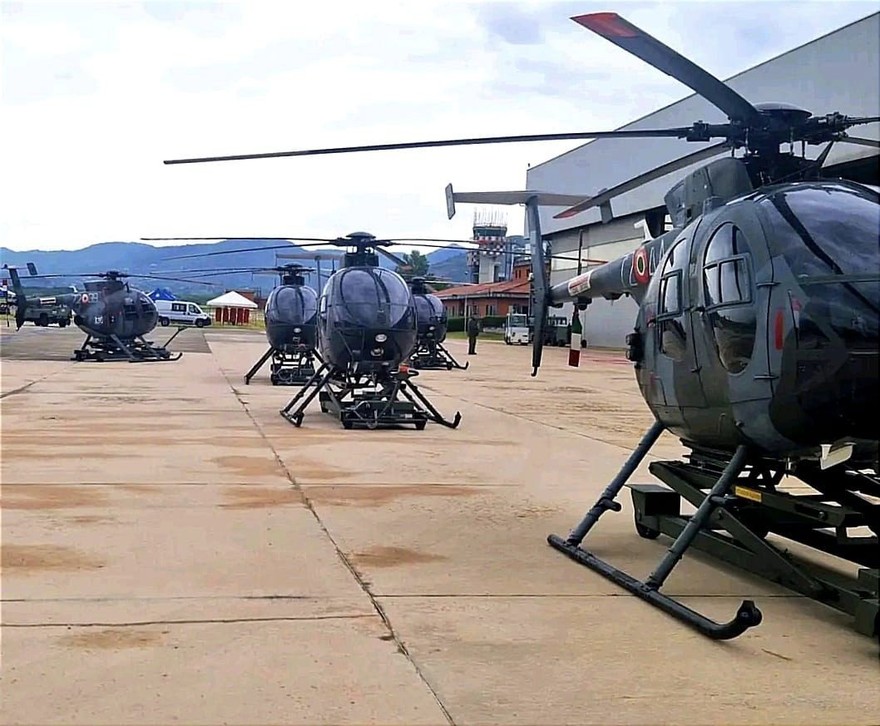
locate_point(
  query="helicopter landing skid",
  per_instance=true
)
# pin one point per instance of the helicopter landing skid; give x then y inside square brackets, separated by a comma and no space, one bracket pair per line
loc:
[738,532]
[747,615]
[113,348]
[428,358]
[366,405]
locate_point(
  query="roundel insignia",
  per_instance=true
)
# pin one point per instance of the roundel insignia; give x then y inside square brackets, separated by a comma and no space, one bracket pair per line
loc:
[640,266]
[84,298]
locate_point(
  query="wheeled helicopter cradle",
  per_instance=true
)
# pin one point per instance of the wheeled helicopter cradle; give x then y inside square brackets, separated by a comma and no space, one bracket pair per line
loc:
[433,356]
[134,350]
[367,401]
[738,504]
[288,368]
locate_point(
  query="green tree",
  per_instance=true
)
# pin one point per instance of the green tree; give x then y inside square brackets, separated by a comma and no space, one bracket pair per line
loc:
[416,265]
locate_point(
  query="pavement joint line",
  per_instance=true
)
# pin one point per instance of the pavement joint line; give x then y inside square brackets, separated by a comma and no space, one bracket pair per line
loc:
[537,421]
[401,647]
[170,598]
[22,389]
[203,621]
[574,596]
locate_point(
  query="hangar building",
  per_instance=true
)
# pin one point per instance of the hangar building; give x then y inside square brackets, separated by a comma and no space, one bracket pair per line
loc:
[839,72]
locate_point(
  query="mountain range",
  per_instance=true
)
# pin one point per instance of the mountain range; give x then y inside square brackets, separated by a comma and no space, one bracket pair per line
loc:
[137,258]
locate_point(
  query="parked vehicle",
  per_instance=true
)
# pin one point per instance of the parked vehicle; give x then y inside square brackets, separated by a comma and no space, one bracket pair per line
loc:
[516,329]
[557,331]
[181,312]
[59,315]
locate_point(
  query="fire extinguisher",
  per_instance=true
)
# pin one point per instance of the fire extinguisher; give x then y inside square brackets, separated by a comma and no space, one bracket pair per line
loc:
[574,352]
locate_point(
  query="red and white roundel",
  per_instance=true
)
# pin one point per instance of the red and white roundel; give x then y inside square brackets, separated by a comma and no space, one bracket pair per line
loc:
[640,266]
[84,298]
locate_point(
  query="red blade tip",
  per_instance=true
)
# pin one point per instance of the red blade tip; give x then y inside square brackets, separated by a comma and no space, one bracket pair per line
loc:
[609,25]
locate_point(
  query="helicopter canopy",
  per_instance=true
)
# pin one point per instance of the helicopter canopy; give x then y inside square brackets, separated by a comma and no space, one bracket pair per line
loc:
[429,308]
[295,305]
[828,235]
[825,229]
[371,297]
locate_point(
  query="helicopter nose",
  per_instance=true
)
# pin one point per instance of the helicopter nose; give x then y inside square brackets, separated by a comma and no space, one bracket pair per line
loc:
[829,386]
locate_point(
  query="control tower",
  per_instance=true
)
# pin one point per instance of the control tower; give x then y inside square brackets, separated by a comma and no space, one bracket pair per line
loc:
[488,263]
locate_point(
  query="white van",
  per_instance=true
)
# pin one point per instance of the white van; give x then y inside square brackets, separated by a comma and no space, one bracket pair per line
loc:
[181,312]
[517,330]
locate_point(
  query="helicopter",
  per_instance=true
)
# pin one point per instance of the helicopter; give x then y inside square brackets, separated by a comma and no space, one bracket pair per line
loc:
[290,314]
[755,343]
[367,331]
[291,327]
[114,316]
[430,353]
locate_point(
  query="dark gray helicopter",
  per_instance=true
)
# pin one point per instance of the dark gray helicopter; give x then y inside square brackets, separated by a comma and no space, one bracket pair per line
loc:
[755,342]
[291,318]
[291,327]
[431,328]
[114,316]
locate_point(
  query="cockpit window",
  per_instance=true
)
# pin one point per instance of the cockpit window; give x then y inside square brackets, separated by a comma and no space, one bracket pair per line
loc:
[429,309]
[727,295]
[373,298]
[671,331]
[827,229]
[293,305]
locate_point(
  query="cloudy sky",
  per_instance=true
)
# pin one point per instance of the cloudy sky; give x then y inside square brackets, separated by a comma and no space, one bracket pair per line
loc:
[95,95]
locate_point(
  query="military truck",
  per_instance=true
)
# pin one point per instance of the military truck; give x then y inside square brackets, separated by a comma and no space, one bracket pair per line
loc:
[59,315]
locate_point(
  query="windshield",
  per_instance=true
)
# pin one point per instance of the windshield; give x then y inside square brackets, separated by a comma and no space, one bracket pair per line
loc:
[293,305]
[518,321]
[428,308]
[825,230]
[371,297]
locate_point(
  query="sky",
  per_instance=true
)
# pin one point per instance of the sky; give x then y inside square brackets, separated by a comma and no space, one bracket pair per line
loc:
[95,95]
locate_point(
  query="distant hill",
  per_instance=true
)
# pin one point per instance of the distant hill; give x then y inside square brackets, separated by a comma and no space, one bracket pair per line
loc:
[138,258]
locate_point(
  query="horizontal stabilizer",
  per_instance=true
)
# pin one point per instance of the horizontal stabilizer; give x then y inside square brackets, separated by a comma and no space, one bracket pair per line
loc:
[543,199]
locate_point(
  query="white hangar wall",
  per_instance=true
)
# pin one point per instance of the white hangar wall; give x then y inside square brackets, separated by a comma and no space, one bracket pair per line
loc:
[837,72]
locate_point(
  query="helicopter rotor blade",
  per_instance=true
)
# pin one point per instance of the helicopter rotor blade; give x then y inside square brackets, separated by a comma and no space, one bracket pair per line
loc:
[641,179]
[873,143]
[636,41]
[232,252]
[174,279]
[394,258]
[679,132]
[245,239]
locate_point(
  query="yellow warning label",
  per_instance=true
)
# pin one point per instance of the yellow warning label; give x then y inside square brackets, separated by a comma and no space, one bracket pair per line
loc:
[747,493]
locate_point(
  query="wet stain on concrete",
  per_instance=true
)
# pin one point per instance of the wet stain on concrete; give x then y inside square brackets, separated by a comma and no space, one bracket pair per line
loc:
[91,519]
[49,497]
[251,497]
[249,465]
[21,559]
[138,488]
[57,453]
[535,511]
[393,557]
[320,474]
[113,639]
[376,496]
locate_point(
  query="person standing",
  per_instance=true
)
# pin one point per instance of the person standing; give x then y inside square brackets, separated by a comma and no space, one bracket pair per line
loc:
[473,330]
